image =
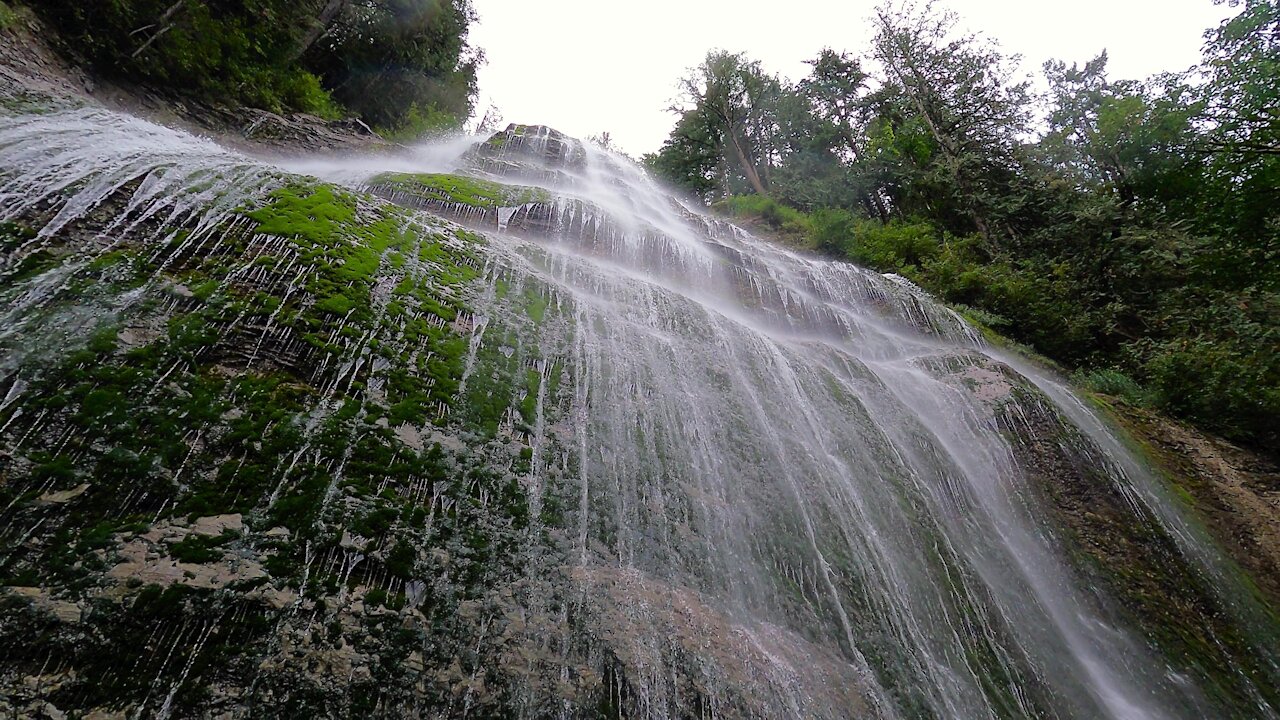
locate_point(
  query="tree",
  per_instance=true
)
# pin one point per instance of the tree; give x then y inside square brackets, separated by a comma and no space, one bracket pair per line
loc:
[319,26]
[691,157]
[1126,139]
[959,88]
[738,102]
[402,64]
[1139,236]
[836,88]
[1242,58]
[399,64]
[1241,138]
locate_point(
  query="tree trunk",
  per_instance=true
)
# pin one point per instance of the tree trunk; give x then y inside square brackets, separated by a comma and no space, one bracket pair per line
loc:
[164,20]
[945,141]
[748,168]
[319,27]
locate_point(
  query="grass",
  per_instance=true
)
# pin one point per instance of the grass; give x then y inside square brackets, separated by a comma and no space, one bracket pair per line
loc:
[1112,382]
[790,226]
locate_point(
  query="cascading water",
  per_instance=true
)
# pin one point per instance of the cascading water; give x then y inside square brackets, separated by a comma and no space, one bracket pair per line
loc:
[587,453]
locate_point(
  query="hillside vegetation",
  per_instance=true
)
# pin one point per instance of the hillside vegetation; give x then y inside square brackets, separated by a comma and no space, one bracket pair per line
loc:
[1127,229]
[403,66]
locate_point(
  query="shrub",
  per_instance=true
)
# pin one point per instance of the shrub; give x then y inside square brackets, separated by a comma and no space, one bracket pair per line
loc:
[7,16]
[893,247]
[791,224]
[831,230]
[1113,382]
[1223,385]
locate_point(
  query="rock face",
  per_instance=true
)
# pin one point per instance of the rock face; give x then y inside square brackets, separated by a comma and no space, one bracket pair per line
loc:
[295,132]
[530,438]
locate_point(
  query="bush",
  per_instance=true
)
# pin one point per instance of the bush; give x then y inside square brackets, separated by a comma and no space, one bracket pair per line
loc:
[403,65]
[301,90]
[897,246]
[1130,308]
[831,230]
[7,16]
[228,54]
[1221,385]
[1113,382]
[419,123]
[789,225]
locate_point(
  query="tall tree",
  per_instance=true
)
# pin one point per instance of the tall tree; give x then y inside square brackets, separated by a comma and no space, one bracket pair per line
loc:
[960,88]
[691,157]
[400,62]
[1241,117]
[740,102]
[837,88]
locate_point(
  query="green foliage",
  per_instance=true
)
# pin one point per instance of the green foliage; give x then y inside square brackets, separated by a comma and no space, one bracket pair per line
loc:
[1136,241]
[1113,382]
[303,91]
[418,122]
[787,222]
[7,16]
[691,157]
[196,548]
[402,65]
[899,246]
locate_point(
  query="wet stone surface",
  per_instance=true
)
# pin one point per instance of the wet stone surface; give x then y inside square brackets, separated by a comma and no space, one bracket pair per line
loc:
[272,446]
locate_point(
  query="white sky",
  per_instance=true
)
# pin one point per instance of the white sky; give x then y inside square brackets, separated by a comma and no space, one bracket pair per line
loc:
[585,67]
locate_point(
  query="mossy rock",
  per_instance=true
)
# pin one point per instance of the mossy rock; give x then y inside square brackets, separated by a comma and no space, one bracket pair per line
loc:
[475,192]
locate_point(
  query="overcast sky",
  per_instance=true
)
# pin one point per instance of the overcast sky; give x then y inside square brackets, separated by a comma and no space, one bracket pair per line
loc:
[585,67]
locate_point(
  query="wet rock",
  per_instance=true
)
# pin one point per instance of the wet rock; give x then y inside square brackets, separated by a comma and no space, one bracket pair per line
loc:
[143,563]
[64,611]
[529,151]
[62,496]
[218,524]
[300,131]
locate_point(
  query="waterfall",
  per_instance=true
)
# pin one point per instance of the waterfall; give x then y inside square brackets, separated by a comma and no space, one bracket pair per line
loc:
[514,431]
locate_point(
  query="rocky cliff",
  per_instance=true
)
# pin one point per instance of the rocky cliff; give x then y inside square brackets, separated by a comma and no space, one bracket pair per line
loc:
[524,436]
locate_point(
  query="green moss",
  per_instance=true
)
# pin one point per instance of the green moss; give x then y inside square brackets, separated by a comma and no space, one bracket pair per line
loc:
[32,265]
[529,405]
[106,260]
[337,304]
[535,305]
[200,548]
[205,290]
[375,523]
[315,213]
[300,507]
[400,560]
[7,16]
[460,189]
[14,235]
[59,471]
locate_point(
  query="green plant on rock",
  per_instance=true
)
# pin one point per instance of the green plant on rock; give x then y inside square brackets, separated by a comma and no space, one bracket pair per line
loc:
[482,194]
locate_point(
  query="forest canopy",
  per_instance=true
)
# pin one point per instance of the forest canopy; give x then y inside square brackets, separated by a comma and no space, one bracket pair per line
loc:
[403,66]
[1128,229]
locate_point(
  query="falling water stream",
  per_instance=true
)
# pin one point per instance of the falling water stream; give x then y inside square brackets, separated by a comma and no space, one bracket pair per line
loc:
[770,485]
